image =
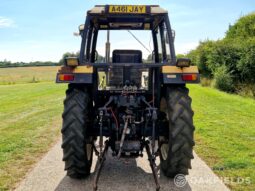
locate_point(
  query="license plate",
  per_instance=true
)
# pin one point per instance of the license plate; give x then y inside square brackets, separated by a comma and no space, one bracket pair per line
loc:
[137,9]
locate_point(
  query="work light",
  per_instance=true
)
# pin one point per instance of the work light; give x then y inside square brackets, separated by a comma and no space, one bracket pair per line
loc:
[183,62]
[72,61]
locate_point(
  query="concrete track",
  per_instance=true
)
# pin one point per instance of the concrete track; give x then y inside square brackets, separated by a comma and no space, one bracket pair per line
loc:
[117,175]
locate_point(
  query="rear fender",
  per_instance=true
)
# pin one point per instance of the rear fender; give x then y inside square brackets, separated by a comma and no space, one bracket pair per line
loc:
[176,75]
[77,75]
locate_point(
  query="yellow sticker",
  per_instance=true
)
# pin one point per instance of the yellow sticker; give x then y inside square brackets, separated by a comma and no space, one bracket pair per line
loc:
[147,26]
[133,9]
[103,26]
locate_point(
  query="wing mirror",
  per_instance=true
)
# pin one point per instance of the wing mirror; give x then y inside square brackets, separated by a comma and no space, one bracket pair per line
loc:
[81,29]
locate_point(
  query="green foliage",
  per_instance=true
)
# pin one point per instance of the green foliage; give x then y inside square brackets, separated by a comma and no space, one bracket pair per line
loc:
[244,28]
[199,57]
[180,56]
[246,64]
[68,54]
[100,59]
[246,90]
[223,79]
[232,57]
[205,82]
[8,64]
[224,54]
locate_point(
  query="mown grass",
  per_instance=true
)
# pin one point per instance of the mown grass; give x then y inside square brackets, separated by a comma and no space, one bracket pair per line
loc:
[225,135]
[30,120]
[19,75]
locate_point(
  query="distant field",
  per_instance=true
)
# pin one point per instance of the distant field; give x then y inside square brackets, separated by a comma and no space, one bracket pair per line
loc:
[20,75]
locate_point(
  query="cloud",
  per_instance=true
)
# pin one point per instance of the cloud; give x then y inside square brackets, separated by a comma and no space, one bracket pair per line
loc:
[6,22]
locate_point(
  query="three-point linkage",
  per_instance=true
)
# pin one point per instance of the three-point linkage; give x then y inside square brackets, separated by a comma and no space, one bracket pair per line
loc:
[100,163]
[151,116]
[102,158]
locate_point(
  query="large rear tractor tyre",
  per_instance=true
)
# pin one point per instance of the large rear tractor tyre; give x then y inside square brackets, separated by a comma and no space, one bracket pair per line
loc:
[176,147]
[77,146]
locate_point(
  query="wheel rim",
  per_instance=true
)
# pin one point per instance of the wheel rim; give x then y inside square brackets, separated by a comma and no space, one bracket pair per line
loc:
[164,148]
[89,151]
[89,148]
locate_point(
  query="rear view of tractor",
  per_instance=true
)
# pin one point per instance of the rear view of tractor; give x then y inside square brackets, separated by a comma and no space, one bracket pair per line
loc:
[122,101]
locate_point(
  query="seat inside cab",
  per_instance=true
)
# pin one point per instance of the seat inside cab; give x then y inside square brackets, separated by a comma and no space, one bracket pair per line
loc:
[126,76]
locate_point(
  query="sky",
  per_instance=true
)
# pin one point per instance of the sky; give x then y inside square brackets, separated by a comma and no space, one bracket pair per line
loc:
[43,30]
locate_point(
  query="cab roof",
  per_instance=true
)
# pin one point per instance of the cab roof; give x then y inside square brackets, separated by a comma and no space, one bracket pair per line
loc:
[133,17]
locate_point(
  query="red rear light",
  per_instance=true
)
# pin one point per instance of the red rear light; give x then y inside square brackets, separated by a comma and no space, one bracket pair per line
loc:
[66,77]
[189,77]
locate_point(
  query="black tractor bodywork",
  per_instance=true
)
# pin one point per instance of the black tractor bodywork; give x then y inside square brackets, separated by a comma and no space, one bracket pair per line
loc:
[135,105]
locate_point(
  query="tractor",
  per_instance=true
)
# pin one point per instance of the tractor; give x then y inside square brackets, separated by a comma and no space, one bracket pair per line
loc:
[123,102]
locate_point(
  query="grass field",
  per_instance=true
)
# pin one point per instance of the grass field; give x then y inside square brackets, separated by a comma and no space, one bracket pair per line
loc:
[19,75]
[30,121]
[225,135]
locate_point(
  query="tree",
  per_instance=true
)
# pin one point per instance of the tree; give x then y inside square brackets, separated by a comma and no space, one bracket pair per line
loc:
[244,28]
